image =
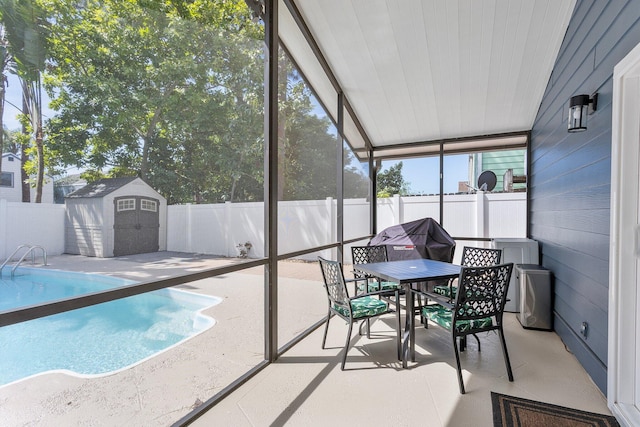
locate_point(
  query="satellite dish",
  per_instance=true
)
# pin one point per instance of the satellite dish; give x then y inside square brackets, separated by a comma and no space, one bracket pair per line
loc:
[487,181]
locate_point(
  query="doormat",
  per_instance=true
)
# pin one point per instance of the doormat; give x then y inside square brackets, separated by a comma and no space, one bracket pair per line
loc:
[510,411]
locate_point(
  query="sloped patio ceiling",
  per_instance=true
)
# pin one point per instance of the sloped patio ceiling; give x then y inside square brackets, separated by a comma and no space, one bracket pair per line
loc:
[417,72]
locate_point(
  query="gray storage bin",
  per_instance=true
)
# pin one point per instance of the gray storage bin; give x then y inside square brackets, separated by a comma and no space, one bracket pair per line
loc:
[534,283]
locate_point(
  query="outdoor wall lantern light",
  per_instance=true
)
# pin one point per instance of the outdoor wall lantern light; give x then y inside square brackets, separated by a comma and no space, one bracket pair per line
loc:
[579,109]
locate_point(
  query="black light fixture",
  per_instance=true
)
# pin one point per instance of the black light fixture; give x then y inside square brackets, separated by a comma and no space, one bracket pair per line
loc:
[579,109]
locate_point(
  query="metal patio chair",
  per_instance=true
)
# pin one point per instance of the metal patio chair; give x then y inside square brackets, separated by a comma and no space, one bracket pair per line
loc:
[359,308]
[367,283]
[478,307]
[471,257]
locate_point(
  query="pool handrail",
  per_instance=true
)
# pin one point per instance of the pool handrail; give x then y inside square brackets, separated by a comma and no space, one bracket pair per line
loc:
[29,251]
[11,256]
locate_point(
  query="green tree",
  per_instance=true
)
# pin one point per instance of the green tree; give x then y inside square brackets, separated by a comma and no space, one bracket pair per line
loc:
[308,151]
[356,183]
[160,93]
[173,92]
[6,63]
[307,145]
[27,36]
[13,141]
[391,181]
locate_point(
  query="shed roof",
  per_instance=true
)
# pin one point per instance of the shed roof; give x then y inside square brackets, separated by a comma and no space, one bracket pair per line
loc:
[101,187]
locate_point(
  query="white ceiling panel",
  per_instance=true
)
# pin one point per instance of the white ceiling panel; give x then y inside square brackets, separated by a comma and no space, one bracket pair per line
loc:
[426,70]
[295,42]
[355,137]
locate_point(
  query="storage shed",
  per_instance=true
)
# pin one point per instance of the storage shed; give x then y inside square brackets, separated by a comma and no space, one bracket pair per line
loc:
[115,217]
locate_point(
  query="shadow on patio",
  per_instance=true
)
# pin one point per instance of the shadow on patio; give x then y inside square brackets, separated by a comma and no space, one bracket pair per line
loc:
[306,386]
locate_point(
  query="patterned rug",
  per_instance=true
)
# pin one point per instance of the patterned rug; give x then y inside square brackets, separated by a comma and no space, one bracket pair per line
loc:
[510,411]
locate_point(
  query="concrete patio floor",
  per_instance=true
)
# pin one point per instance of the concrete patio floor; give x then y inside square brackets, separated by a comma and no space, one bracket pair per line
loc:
[305,386]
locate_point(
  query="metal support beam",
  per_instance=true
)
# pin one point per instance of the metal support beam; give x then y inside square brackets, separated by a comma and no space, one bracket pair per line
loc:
[528,185]
[373,195]
[271,180]
[340,177]
[449,141]
[442,183]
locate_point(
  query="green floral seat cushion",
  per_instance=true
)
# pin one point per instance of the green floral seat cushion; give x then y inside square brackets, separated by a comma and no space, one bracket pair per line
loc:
[442,316]
[374,286]
[364,307]
[447,291]
[450,292]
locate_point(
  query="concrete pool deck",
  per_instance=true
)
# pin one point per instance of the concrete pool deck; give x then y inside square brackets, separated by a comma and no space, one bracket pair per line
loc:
[166,387]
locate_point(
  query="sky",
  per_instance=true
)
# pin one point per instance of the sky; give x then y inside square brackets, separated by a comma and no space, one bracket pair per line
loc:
[422,174]
[13,103]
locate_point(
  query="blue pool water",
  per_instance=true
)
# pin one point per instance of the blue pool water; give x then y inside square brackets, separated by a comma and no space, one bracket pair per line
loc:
[93,340]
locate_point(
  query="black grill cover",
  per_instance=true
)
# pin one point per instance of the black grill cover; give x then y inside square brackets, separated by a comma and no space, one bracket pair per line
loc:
[422,238]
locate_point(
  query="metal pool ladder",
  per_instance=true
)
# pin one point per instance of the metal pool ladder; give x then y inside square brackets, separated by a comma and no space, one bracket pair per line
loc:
[31,250]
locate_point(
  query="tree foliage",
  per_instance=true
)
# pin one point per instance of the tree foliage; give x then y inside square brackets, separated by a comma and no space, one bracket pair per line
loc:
[27,43]
[391,181]
[172,91]
[308,145]
[6,63]
[147,92]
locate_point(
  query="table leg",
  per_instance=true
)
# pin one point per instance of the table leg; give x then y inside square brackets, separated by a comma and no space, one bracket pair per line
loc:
[412,326]
[408,342]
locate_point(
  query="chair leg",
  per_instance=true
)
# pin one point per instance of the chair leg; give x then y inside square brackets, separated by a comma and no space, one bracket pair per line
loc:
[478,341]
[326,329]
[505,354]
[455,350]
[346,346]
[425,321]
[398,331]
[368,323]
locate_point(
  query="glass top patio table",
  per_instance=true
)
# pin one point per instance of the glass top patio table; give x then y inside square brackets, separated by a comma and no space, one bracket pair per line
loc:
[407,272]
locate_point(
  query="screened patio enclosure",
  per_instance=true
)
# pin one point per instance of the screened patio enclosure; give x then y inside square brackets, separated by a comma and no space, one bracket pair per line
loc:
[388,81]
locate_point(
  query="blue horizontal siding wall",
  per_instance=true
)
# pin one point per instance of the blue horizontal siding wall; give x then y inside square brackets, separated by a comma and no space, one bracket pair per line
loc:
[570,174]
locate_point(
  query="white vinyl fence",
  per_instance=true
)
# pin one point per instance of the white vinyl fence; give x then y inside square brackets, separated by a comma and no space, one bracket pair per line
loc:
[32,224]
[218,229]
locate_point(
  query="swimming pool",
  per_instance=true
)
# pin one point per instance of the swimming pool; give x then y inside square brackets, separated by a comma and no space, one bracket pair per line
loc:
[96,340]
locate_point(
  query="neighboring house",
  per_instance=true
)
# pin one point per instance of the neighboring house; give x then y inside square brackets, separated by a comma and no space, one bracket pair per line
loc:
[10,188]
[115,217]
[67,185]
[499,162]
